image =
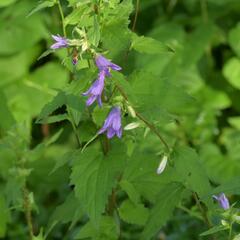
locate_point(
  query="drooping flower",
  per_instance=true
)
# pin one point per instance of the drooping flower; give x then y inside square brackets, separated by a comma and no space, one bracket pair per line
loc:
[95,91]
[222,200]
[162,165]
[60,42]
[112,124]
[105,65]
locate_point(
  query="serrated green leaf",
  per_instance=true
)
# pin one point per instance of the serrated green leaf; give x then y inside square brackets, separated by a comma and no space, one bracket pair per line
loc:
[94,177]
[133,213]
[131,191]
[58,101]
[187,164]
[41,5]
[54,119]
[108,230]
[100,114]
[214,230]
[69,211]
[148,45]
[231,72]
[168,199]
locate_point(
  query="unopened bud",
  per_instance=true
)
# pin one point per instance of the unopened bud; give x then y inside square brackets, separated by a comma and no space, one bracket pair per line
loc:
[162,165]
[131,111]
[131,126]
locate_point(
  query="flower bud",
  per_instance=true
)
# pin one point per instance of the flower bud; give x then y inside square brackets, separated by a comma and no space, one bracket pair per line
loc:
[162,165]
[131,111]
[131,126]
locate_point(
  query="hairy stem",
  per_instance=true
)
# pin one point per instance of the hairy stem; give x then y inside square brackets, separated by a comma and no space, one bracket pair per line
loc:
[203,212]
[146,122]
[62,18]
[136,15]
[27,209]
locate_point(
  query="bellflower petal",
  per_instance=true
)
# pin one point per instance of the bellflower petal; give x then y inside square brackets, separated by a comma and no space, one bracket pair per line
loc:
[60,42]
[95,91]
[222,200]
[104,64]
[112,124]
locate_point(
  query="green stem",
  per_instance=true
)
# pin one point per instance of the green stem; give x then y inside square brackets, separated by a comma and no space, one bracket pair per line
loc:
[27,209]
[62,18]
[230,232]
[136,15]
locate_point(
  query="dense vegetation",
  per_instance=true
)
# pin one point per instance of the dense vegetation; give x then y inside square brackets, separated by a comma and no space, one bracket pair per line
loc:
[119,119]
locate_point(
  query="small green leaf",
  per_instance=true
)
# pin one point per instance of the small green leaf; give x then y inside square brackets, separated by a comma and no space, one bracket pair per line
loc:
[100,114]
[41,5]
[234,36]
[214,230]
[168,199]
[148,45]
[108,230]
[133,213]
[231,72]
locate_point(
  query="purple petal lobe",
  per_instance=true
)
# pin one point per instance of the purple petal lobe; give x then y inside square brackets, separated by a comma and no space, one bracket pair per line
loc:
[112,123]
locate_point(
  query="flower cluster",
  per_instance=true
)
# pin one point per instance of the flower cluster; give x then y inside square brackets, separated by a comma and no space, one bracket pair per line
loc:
[112,125]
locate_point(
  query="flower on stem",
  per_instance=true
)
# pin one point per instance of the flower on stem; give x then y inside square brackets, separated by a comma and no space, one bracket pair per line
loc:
[105,65]
[95,91]
[222,200]
[112,124]
[162,165]
[60,42]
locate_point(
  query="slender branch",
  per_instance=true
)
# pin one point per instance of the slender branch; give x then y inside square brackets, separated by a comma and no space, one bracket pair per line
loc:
[203,212]
[62,18]
[230,232]
[27,208]
[147,123]
[136,15]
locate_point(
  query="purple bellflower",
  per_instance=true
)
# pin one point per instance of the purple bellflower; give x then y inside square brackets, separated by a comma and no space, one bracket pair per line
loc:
[112,124]
[105,65]
[60,42]
[222,200]
[95,91]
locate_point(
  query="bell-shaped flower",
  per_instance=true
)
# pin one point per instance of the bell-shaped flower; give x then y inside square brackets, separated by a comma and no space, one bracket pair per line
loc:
[105,65]
[95,91]
[112,124]
[60,42]
[222,200]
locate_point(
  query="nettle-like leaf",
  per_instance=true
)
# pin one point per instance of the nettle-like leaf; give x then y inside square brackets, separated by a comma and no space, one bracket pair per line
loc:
[69,211]
[159,97]
[192,173]
[148,45]
[168,198]
[94,176]
[133,213]
[233,38]
[74,102]
[108,229]
[140,174]
[41,5]
[231,72]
